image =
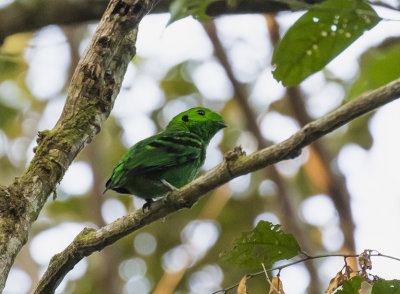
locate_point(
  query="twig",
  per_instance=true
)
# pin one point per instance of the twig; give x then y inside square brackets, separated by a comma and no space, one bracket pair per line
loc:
[384,255]
[279,268]
[266,273]
[90,240]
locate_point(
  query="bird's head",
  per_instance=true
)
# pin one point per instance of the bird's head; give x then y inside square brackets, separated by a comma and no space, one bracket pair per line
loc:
[198,120]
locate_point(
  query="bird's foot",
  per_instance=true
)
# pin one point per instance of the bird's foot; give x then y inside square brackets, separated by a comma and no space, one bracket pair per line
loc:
[167,200]
[147,205]
[168,185]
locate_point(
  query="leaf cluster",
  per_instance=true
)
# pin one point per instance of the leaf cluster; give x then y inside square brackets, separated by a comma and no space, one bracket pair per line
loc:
[316,38]
[267,244]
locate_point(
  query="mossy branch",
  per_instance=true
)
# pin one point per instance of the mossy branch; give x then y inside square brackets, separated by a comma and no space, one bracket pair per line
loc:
[93,89]
[234,165]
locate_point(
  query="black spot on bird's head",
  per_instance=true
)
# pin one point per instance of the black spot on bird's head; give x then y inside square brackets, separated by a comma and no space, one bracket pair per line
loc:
[199,121]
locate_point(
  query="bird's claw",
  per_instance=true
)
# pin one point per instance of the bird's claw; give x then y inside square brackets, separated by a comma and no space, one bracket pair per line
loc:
[147,205]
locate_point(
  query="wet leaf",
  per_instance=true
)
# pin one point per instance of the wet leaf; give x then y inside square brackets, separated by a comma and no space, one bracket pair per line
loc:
[319,36]
[267,244]
[386,287]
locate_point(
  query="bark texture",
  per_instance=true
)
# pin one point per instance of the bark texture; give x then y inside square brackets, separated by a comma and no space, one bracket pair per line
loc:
[94,87]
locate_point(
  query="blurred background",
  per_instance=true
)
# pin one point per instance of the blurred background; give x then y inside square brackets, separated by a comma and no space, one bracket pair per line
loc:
[340,195]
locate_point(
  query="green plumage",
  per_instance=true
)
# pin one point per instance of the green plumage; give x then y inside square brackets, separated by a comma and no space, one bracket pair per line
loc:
[173,156]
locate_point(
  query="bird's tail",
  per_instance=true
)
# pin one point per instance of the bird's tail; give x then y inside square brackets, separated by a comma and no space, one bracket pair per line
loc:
[108,184]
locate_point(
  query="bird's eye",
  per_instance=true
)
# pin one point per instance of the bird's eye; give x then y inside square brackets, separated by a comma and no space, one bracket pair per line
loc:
[185,118]
[201,112]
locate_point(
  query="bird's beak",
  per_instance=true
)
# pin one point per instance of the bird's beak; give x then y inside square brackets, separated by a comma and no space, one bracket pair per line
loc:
[222,124]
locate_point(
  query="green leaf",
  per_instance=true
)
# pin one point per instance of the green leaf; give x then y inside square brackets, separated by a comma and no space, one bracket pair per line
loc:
[378,66]
[182,8]
[351,286]
[66,207]
[386,287]
[7,114]
[357,132]
[177,82]
[265,244]
[319,36]
[7,65]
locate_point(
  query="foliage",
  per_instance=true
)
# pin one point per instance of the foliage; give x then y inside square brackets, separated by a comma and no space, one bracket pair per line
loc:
[378,66]
[182,8]
[319,36]
[266,244]
[386,287]
[255,250]
[351,286]
[177,82]
[7,114]
[381,286]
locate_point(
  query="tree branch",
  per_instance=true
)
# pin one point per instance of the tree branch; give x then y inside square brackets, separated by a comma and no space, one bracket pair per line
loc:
[21,16]
[336,187]
[94,86]
[288,215]
[235,164]
[337,190]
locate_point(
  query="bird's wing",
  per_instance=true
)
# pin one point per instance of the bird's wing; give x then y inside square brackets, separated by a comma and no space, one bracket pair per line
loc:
[167,149]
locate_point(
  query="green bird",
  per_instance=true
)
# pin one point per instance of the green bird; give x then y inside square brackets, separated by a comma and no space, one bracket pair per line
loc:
[167,160]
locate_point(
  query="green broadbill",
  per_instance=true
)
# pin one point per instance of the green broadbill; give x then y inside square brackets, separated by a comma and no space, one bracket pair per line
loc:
[172,158]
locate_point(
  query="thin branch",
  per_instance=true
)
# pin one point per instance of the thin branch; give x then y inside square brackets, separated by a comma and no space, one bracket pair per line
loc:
[279,268]
[266,273]
[377,253]
[235,165]
[387,256]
